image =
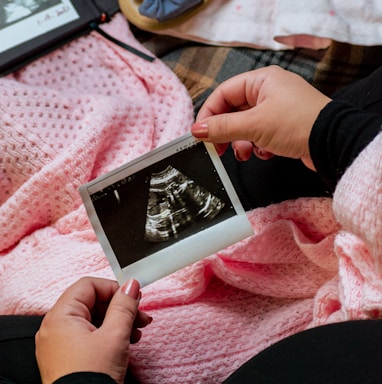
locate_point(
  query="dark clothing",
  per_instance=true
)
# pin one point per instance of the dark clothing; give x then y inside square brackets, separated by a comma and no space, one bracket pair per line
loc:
[85,377]
[259,183]
[345,127]
[338,136]
[17,349]
[340,353]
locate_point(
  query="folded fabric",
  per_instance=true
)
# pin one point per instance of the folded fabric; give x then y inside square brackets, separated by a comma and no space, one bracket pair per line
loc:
[163,10]
[277,24]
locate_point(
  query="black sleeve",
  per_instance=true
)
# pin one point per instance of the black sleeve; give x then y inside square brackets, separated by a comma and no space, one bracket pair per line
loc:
[85,378]
[339,134]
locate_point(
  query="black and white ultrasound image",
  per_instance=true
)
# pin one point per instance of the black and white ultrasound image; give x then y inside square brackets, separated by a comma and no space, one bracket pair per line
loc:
[13,11]
[162,204]
[175,202]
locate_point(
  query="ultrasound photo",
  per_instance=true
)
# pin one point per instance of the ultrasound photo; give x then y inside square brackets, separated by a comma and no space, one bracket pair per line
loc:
[12,11]
[165,210]
[162,203]
[175,202]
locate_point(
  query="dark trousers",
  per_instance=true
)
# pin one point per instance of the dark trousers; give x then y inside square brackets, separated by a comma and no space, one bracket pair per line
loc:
[341,353]
[17,349]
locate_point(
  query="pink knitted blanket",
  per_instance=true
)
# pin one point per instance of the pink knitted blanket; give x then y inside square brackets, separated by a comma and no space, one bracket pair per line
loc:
[91,106]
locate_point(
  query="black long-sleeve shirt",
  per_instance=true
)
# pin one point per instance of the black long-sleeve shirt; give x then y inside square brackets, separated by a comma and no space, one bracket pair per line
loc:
[85,377]
[339,134]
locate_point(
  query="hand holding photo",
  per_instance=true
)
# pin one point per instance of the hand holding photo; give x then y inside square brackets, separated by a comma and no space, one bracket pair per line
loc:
[165,210]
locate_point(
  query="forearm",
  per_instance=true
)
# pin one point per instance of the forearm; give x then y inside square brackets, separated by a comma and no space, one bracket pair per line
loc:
[339,134]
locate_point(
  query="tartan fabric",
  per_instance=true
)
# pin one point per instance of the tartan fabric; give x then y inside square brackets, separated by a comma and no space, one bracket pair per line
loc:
[343,64]
[201,68]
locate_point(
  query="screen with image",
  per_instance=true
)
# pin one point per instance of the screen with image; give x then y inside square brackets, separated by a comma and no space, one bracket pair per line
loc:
[23,20]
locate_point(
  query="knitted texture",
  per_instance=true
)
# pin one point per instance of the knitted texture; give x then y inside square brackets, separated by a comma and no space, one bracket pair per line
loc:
[65,119]
[90,107]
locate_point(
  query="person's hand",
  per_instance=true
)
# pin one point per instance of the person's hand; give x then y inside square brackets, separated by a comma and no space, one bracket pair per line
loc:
[90,328]
[269,111]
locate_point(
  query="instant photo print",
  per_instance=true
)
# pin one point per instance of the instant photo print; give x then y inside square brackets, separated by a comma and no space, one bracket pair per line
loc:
[165,210]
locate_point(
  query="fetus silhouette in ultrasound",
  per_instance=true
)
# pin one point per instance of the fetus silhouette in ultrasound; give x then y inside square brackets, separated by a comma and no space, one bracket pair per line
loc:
[175,202]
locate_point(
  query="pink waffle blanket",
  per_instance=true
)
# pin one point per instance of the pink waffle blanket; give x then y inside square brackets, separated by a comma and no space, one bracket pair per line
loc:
[90,107]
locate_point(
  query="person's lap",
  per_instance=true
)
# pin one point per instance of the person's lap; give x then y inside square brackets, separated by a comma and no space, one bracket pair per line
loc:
[17,349]
[258,183]
[338,353]
[341,353]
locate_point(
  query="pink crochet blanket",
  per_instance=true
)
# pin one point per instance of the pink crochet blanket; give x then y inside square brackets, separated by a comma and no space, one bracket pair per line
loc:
[91,106]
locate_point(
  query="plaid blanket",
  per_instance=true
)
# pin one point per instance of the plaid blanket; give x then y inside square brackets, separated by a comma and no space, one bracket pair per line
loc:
[201,68]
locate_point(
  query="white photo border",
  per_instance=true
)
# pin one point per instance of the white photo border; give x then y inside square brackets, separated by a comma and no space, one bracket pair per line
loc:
[180,253]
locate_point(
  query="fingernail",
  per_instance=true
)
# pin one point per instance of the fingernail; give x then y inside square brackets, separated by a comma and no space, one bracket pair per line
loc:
[237,155]
[132,288]
[200,130]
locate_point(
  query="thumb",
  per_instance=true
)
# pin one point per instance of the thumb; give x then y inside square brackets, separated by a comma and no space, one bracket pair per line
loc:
[225,127]
[123,309]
